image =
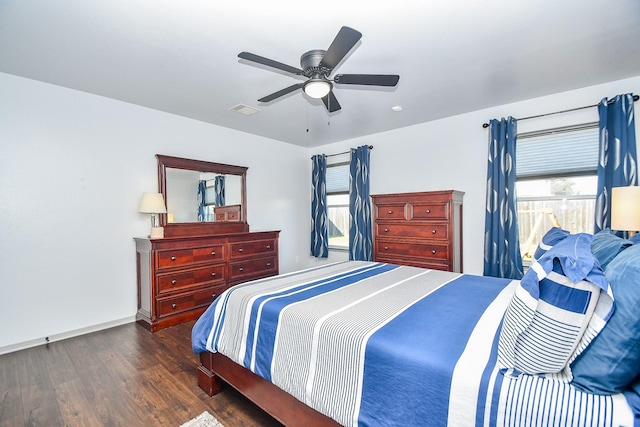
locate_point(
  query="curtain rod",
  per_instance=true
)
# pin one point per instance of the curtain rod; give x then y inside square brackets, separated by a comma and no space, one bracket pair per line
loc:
[486,125]
[345,152]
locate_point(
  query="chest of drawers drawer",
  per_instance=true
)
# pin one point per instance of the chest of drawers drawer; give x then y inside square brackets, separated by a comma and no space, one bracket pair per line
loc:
[391,211]
[184,257]
[413,249]
[429,211]
[188,301]
[409,230]
[252,248]
[252,268]
[182,279]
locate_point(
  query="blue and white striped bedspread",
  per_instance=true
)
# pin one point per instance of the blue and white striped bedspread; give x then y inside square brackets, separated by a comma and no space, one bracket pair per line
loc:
[373,344]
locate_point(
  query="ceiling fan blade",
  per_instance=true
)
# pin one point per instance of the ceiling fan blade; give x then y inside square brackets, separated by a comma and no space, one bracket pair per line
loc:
[281,92]
[341,45]
[367,79]
[331,102]
[269,62]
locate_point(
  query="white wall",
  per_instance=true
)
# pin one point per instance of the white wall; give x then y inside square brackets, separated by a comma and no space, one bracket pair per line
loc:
[73,167]
[451,154]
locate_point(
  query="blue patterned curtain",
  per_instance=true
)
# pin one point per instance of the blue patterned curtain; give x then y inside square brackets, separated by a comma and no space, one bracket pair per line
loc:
[202,194]
[617,161]
[501,242]
[360,239]
[218,186]
[319,220]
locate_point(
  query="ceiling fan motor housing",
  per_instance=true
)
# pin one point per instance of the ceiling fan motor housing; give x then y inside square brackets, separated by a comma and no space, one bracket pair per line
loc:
[310,64]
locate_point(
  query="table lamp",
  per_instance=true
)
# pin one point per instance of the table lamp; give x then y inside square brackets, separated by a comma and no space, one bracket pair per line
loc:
[625,209]
[153,203]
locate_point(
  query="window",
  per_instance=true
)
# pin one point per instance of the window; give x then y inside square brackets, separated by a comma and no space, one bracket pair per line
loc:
[338,205]
[556,182]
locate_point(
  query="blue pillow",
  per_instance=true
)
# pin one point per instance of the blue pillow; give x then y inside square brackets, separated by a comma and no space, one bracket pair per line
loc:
[551,238]
[612,360]
[632,394]
[635,239]
[607,245]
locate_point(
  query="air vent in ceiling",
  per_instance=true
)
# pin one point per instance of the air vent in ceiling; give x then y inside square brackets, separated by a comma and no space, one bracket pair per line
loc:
[244,109]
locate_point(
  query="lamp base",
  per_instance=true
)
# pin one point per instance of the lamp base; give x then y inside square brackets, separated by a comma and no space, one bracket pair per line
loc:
[157,232]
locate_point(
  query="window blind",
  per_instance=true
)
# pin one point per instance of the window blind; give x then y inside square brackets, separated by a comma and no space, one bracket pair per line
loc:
[338,178]
[558,152]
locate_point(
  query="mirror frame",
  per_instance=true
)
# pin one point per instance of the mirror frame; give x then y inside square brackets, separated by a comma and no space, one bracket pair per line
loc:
[190,228]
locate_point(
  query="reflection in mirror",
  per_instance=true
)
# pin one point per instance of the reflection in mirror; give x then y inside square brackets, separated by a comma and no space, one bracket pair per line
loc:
[184,195]
[197,191]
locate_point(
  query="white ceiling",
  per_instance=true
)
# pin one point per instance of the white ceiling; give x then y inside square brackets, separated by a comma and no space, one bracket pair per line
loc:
[453,56]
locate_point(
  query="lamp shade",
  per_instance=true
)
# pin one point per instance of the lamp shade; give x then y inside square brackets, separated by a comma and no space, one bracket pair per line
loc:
[625,208]
[317,88]
[152,203]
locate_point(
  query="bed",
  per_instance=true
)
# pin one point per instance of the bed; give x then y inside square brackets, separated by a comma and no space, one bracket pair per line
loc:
[373,344]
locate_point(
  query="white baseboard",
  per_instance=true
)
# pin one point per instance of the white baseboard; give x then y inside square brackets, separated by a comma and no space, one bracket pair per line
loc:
[63,336]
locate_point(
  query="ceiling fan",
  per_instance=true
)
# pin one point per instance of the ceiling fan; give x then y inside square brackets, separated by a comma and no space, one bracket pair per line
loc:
[317,65]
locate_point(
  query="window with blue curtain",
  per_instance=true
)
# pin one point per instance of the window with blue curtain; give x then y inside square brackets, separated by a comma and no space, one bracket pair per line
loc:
[319,221]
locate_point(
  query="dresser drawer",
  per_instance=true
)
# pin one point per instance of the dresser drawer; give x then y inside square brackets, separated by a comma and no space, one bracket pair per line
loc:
[390,211]
[430,210]
[182,257]
[188,301]
[252,247]
[179,280]
[435,231]
[413,249]
[422,263]
[254,268]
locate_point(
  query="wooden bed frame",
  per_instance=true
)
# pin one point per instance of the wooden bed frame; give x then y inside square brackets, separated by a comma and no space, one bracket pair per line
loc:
[216,369]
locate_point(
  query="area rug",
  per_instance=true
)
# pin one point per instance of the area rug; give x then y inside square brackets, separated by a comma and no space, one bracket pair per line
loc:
[205,419]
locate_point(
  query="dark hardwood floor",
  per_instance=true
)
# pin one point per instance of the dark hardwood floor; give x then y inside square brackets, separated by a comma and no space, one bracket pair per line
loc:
[123,376]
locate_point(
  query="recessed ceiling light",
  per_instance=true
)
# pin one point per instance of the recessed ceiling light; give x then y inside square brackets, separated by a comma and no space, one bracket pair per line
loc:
[396,108]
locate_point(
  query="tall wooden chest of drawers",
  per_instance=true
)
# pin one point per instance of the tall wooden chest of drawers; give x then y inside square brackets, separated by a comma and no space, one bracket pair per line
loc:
[420,229]
[178,278]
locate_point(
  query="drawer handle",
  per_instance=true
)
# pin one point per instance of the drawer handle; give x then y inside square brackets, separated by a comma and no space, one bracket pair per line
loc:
[173,258]
[173,306]
[268,246]
[214,296]
[428,211]
[433,231]
[433,251]
[386,248]
[213,274]
[390,212]
[240,250]
[213,253]
[173,282]
[240,268]
[386,230]
[268,264]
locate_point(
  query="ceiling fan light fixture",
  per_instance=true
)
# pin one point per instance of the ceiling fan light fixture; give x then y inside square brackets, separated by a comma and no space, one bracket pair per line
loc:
[317,88]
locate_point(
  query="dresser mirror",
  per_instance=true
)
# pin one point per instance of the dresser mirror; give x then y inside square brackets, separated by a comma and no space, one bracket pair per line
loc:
[183,182]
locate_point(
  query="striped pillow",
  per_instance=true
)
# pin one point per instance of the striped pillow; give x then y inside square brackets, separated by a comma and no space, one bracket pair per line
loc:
[545,324]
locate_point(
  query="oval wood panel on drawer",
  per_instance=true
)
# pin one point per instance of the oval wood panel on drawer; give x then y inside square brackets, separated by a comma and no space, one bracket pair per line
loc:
[252,248]
[174,281]
[391,211]
[179,257]
[429,231]
[415,249]
[430,210]
[252,268]
[188,301]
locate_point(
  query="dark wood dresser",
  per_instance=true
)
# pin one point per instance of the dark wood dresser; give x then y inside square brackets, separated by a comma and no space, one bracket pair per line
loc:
[420,229]
[179,277]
